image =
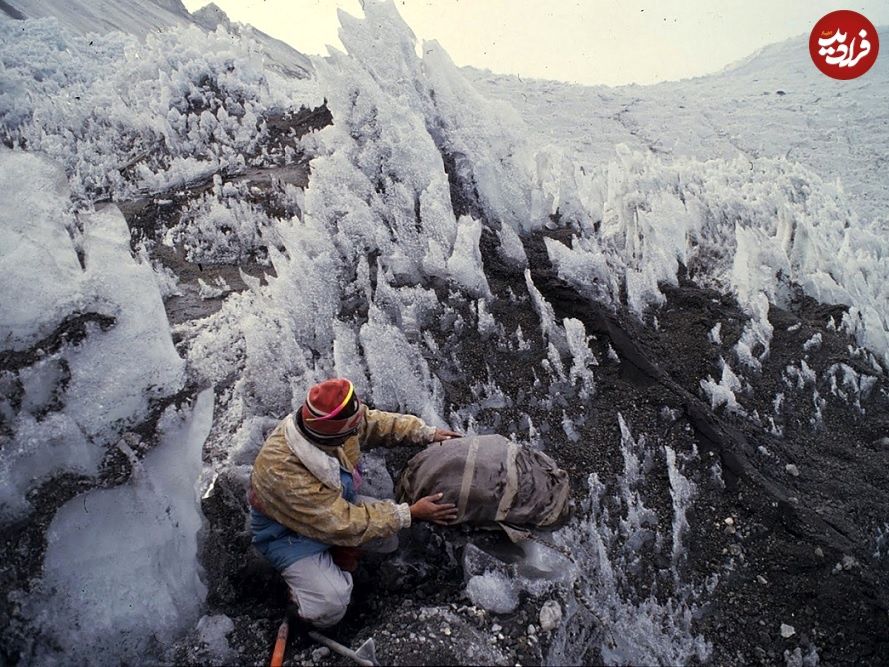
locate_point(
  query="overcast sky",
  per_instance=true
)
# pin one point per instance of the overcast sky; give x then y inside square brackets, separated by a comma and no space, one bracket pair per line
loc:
[609,42]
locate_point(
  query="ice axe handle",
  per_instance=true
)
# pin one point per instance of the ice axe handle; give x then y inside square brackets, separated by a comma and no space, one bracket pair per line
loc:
[280,645]
[345,651]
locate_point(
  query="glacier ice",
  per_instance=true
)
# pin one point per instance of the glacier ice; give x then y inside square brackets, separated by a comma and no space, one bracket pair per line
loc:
[357,271]
[104,105]
[583,357]
[41,269]
[635,627]
[60,269]
[111,589]
[682,491]
[493,591]
[723,392]
[465,263]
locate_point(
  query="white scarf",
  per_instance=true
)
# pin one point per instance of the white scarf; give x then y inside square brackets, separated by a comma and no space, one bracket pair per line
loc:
[322,465]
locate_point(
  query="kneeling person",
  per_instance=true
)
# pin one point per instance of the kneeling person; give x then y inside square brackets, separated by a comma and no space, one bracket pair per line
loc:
[304,502]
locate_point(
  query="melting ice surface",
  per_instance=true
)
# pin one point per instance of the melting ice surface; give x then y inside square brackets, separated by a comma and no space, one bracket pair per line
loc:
[628,625]
[73,395]
[120,571]
[375,226]
[602,567]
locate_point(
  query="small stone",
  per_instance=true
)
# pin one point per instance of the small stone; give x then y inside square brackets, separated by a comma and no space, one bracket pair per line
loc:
[532,630]
[787,630]
[882,442]
[792,470]
[730,530]
[734,549]
[495,628]
[446,632]
[819,552]
[849,562]
[550,615]
[320,653]
[761,579]
[729,521]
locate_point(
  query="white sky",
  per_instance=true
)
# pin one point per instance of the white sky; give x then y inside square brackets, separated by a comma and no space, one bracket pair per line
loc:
[609,42]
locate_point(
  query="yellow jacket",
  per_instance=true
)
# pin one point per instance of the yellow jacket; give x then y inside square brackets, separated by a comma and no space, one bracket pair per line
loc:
[297,483]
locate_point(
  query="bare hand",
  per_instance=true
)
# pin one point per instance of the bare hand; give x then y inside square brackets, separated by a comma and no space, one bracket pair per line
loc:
[444,434]
[428,509]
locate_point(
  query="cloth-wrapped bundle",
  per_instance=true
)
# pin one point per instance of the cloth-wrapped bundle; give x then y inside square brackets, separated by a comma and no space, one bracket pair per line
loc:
[491,480]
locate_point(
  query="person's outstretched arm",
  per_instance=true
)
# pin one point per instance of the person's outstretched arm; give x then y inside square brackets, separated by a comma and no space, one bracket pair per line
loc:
[392,428]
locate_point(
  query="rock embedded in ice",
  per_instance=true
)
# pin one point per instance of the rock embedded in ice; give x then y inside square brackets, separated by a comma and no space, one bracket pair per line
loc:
[550,615]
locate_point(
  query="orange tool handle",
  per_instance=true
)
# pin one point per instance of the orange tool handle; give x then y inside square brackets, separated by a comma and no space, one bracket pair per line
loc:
[280,645]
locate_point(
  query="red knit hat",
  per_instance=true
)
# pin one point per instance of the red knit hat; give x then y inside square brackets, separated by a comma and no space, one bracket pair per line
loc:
[332,410]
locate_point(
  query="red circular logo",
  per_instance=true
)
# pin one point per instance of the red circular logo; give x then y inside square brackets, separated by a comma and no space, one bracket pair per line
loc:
[844,44]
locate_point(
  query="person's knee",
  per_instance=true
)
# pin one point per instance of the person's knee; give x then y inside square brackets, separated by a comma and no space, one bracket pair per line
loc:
[322,593]
[325,613]
[326,606]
